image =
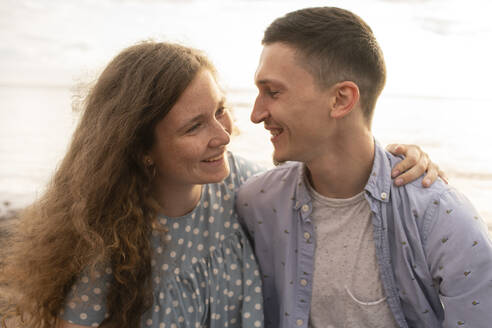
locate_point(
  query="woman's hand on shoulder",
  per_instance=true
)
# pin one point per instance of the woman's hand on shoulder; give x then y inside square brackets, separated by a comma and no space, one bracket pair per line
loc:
[415,163]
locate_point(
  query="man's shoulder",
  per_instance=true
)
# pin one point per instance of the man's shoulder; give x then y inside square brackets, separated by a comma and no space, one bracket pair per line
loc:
[438,204]
[268,196]
[415,187]
[273,179]
[276,183]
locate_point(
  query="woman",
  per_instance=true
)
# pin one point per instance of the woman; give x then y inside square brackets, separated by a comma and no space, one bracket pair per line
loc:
[137,227]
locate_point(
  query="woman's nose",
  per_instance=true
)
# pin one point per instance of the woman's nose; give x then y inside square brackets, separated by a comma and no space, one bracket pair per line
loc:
[221,136]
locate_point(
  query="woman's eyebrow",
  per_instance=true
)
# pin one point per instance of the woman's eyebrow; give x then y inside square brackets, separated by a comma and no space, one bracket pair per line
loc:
[202,116]
[193,120]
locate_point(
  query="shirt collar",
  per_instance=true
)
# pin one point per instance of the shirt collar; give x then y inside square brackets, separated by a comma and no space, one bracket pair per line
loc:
[378,185]
[301,192]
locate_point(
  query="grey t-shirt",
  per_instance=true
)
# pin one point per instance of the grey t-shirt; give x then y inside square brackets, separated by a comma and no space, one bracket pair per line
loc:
[347,290]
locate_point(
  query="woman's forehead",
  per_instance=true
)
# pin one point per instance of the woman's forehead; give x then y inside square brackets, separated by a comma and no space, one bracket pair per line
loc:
[202,97]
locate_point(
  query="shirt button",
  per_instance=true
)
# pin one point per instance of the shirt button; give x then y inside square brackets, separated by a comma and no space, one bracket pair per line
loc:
[384,195]
[307,235]
[304,282]
[305,208]
[299,322]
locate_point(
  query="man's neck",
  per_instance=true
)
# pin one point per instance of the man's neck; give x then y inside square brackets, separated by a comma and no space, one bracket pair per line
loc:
[344,169]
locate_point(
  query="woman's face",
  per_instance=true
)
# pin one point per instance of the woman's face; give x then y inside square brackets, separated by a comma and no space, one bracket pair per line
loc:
[190,141]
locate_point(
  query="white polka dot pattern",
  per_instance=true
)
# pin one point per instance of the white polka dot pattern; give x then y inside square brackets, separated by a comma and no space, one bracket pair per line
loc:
[203,270]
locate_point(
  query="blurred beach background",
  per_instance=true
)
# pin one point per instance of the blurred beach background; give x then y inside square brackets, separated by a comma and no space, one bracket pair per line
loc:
[437,93]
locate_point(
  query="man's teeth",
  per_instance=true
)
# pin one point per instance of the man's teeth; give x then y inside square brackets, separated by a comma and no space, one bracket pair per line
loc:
[213,159]
[276,132]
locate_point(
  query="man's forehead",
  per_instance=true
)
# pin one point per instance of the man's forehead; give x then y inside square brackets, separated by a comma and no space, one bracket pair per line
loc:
[273,60]
[279,63]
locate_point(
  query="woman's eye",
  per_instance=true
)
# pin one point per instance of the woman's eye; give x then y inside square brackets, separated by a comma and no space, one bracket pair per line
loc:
[193,128]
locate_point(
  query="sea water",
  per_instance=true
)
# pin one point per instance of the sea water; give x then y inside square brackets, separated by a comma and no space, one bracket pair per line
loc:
[436,95]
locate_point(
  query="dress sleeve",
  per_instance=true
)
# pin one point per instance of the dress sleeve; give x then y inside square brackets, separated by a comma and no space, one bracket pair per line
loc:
[85,304]
[252,306]
[459,252]
[242,169]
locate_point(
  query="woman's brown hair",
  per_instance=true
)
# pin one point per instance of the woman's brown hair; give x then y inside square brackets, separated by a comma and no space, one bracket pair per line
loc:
[98,208]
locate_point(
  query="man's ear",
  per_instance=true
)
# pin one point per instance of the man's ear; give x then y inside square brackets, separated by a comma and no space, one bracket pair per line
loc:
[345,97]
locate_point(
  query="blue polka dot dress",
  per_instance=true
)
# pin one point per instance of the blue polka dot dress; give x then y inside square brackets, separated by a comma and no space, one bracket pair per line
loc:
[204,272]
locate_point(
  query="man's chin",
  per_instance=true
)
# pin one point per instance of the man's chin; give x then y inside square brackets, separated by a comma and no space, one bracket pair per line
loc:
[278,160]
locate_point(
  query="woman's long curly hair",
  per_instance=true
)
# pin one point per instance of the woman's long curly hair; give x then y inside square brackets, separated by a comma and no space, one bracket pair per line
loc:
[98,208]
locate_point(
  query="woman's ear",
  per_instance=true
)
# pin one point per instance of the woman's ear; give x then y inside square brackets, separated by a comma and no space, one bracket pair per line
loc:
[345,97]
[148,161]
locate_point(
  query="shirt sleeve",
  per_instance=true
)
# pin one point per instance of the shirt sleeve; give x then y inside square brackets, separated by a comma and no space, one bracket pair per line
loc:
[459,252]
[86,302]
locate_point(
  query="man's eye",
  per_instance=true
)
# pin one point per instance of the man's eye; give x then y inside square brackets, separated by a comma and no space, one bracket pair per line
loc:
[272,93]
[221,111]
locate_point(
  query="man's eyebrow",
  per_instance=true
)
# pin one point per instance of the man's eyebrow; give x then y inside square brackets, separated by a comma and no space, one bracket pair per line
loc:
[263,81]
[269,81]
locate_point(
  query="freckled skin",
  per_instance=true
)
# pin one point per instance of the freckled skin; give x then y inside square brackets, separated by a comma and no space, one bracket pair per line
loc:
[178,152]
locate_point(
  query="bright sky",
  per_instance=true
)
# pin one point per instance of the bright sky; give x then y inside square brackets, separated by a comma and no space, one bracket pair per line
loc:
[434,47]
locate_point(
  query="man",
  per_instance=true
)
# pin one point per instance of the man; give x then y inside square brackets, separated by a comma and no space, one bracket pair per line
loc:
[338,243]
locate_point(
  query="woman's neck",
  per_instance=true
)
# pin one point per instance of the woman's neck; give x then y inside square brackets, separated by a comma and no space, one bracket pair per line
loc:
[178,201]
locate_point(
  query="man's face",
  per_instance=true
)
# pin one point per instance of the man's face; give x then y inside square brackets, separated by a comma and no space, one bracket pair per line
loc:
[291,105]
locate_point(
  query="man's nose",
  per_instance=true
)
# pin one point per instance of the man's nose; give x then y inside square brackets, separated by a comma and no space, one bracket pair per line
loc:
[260,112]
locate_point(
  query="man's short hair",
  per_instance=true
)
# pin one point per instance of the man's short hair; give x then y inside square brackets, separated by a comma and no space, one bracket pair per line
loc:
[334,45]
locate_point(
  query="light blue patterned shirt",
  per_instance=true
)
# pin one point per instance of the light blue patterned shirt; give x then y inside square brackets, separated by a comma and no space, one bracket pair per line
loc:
[204,273]
[433,249]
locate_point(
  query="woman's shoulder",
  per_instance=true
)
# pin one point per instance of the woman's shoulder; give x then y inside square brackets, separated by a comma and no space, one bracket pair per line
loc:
[241,169]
